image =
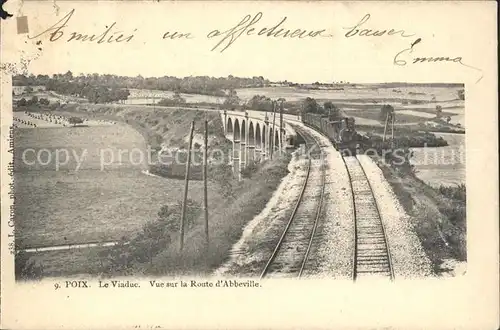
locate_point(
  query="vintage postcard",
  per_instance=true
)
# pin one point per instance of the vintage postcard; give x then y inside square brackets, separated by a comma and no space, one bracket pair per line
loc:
[249,165]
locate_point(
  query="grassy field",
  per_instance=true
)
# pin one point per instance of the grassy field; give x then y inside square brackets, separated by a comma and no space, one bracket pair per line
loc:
[375,113]
[62,207]
[67,206]
[227,217]
[416,103]
[413,104]
[167,127]
[55,208]
[443,165]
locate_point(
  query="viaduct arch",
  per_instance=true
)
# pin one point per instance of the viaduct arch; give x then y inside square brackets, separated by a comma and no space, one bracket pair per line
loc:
[254,137]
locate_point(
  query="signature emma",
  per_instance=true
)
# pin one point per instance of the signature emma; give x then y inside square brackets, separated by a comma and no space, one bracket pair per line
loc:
[403,57]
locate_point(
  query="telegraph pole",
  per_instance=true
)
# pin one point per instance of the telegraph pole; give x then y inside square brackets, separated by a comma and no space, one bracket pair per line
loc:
[274,128]
[385,126]
[282,129]
[205,188]
[186,184]
[392,130]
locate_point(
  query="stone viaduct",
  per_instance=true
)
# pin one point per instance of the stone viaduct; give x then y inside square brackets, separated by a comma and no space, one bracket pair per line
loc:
[256,136]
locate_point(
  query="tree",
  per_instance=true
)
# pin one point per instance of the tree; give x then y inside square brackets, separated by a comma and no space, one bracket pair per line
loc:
[178,99]
[68,75]
[461,94]
[260,102]
[28,89]
[22,102]
[386,109]
[32,101]
[44,101]
[332,110]
[310,105]
[75,121]
[232,98]
[124,94]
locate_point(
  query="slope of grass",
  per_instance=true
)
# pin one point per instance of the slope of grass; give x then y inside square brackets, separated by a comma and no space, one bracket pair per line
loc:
[227,218]
[232,204]
[438,215]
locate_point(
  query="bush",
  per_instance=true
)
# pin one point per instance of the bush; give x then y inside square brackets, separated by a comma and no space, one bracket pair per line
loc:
[222,175]
[454,192]
[251,168]
[44,101]
[22,102]
[56,105]
[456,213]
[402,140]
[24,267]
[32,101]
[75,120]
[155,236]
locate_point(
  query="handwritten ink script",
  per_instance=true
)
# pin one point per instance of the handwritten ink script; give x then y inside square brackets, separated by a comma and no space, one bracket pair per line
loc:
[57,31]
[403,57]
[249,26]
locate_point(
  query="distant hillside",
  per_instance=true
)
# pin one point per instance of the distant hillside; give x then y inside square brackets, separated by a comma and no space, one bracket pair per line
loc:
[404,84]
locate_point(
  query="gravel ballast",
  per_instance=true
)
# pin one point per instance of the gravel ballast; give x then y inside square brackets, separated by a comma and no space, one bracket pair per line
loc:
[333,249]
[250,254]
[408,257]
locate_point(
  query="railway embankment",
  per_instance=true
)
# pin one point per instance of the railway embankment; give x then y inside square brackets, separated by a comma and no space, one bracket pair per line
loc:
[248,256]
[436,215]
[332,249]
[408,257]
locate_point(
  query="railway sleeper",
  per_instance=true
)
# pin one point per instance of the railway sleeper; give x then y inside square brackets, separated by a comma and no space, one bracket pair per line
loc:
[362,251]
[370,226]
[371,233]
[374,252]
[366,206]
[361,187]
[373,262]
[372,241]
[373,271]
[369,258]
[371,238]
[361,267]
[364,215]
[370,221]
[367,225]
[365,202]
[363,239]
[376,265]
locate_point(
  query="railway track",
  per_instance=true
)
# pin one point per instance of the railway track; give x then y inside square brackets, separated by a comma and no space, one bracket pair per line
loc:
[371,255]
[291,253]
